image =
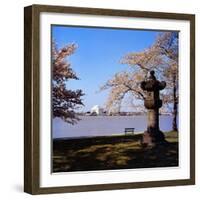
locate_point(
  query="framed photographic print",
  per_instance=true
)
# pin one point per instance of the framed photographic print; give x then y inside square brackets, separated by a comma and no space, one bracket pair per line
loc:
[109,99]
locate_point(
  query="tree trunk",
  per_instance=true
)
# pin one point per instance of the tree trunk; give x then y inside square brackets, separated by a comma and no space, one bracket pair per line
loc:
[175,106]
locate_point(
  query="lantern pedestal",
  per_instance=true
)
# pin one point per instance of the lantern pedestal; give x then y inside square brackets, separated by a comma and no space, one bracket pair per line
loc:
[153,136]
[153,139]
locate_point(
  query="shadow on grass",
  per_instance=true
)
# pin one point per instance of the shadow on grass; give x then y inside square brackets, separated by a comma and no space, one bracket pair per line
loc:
[113,152]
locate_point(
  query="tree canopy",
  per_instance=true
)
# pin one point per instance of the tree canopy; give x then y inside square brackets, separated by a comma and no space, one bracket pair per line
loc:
[64,100]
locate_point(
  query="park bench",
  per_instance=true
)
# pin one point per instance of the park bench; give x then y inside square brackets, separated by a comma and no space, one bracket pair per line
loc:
[129,131]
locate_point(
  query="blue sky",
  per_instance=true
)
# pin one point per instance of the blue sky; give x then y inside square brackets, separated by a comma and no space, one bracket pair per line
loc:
[98,54]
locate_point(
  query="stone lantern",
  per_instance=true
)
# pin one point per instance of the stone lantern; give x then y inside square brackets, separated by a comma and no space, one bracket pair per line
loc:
[152,103]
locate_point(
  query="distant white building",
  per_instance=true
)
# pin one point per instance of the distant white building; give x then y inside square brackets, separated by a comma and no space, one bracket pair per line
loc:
[97,110]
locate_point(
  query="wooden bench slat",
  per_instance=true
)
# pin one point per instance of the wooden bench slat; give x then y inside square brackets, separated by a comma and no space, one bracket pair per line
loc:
[129,130]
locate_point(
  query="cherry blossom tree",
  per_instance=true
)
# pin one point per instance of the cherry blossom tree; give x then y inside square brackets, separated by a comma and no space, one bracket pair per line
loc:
[128,82]
[166,46]
[64,100]
[162,57]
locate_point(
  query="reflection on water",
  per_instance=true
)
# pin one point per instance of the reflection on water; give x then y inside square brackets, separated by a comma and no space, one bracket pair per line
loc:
[104,125]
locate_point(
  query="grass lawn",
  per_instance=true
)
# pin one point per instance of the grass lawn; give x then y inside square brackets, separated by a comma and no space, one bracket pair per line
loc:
[112,152]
